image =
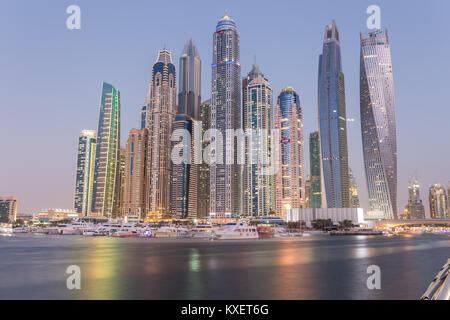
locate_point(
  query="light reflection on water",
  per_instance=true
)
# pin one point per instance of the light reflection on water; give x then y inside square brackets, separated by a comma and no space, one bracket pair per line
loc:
[311,268]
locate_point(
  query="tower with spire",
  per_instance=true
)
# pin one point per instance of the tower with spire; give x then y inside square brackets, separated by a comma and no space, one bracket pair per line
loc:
[333,121]
[226,114]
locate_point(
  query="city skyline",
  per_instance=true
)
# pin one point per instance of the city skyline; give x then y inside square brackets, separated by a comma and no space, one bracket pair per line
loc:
[360,178]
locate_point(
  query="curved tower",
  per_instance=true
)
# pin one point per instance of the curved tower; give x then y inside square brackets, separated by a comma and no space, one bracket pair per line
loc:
[107,155]
[378,124]
[333,121]
[225,178]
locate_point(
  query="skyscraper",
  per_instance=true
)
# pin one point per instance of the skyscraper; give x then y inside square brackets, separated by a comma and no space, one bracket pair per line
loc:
[315,170]
[120,183]
[107,151]
[225,177]
[353,190]
[288,118]
[85,171]
[185,175]
[203,181]
[161,112]
[333,121]
[438,202]
[181,170]
[414,209]
[258,184]
[379,138]
[308,192]
[8,209]
[189,96]
[135,197]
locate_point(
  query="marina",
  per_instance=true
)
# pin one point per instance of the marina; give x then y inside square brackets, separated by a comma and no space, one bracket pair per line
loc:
[34,266]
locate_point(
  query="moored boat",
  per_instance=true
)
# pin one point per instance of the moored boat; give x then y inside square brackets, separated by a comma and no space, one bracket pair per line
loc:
[237,231]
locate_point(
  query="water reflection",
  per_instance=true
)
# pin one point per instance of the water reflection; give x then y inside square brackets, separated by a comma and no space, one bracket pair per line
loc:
[314,268]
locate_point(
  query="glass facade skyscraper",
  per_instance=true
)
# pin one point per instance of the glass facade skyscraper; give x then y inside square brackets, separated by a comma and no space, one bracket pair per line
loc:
[378,128]
[333,121]
[288,118]
[225,178]
[185,175]
[160,116]
[315,170]
[258,184]
[84,184]
[181,178]
[189,96]
[107,151]
[438,202]
[414,209]
[8,209]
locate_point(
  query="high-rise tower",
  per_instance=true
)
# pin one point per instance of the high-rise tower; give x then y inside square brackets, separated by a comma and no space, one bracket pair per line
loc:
[315,170]
[189,96]
[107,151]
[185,175]
[135,197]
[333,121]
[225,177]
[378,129]
[288,118]
[85,171]
[258,185]
[414,209]
[438,202]
[161,112]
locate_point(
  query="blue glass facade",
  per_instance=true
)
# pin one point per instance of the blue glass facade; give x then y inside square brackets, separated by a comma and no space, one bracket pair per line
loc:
[333,121]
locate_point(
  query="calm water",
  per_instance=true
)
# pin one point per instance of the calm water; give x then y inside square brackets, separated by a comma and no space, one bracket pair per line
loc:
[319,267]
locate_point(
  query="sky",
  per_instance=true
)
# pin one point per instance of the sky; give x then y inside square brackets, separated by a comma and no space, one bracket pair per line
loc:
[50,77]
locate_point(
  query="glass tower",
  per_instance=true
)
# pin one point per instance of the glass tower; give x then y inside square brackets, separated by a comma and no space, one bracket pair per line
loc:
[438,202]
[160,116]
[185,175]
[225,178]
[414,209]
[378,123]
[8,209]
[258,185]
[333,121]
[288,118]
[189,95]
[107,151]
[315,170]
[85,171]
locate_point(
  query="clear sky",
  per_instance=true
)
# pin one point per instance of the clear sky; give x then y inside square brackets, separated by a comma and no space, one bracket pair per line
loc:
[50,77]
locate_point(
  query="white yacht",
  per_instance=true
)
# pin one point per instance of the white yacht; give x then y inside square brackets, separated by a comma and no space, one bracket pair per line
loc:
[288,233]
[202,231]
[20,230]
[6,229]
[236,231]
[170,232]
